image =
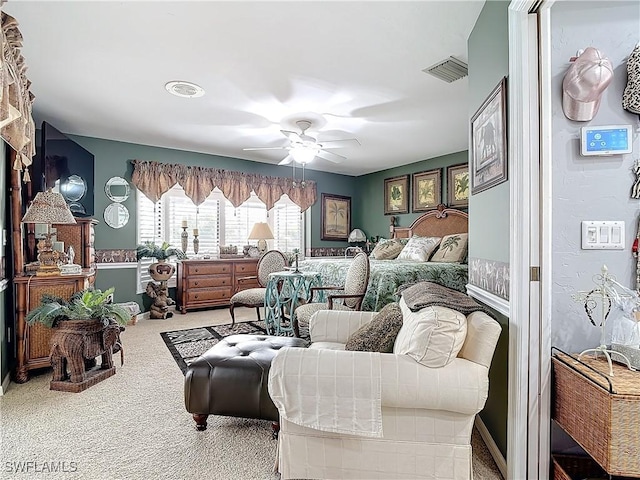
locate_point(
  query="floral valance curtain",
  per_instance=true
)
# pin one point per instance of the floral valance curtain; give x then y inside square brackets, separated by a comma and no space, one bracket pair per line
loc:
[154,179]
[16,123]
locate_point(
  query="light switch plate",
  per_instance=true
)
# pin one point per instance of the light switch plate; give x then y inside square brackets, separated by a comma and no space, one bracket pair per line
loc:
[602,235]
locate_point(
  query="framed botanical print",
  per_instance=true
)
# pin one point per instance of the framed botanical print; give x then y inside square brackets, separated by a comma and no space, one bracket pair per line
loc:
[396,195]
[458,185]
[489,141]
[427,190]
[336,217]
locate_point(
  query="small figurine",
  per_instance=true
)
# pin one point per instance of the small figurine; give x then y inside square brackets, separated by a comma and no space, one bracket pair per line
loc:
[71,254]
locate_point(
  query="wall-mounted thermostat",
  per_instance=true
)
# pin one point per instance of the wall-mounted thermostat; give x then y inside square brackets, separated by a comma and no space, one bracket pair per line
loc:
[598,235]
[606,140]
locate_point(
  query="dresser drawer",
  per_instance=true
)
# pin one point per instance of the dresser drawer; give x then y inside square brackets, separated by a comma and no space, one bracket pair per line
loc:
[207,295]
[246,268]
[249,282]
[208,268]
[202,281]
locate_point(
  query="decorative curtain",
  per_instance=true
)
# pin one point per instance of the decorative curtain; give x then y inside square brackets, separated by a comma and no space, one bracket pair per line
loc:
[16,123]
[154,179]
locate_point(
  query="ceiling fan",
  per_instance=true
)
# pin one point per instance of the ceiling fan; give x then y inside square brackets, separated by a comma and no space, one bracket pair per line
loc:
[304,148]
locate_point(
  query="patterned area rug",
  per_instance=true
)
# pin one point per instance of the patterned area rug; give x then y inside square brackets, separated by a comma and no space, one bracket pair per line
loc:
[187,345]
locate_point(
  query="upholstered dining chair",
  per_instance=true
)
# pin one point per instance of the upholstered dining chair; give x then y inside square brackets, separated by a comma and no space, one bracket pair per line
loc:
[347,297]
[272,261]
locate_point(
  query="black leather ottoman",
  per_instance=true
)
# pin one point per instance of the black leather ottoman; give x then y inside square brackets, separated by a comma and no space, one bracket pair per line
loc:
[231,378]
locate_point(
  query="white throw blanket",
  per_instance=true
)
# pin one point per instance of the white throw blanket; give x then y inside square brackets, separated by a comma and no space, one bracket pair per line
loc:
[315,389]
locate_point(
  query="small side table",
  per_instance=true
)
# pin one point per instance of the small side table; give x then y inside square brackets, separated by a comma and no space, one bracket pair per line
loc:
[283,293]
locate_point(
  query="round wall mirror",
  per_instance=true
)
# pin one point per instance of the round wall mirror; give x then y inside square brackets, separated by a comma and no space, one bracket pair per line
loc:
[117,189]
[73,189]
[116,215]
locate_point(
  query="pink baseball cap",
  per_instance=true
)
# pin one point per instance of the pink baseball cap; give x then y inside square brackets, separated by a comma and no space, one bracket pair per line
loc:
[588,76]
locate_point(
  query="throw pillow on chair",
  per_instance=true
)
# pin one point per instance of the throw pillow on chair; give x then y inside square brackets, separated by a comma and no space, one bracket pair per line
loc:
[380,334]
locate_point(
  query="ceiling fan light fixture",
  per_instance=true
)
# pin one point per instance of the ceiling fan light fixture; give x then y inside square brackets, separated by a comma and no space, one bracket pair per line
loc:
[184,89]
[303,154]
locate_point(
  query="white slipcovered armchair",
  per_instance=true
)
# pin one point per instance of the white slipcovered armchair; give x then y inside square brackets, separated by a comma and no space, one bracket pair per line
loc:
[427,414]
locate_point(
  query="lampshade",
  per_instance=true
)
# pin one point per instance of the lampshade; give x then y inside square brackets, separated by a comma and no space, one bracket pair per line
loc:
[303,154]
[357,235]
[48,207]
[261,231]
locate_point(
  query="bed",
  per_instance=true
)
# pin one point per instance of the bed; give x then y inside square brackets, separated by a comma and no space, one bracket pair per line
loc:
[387,275]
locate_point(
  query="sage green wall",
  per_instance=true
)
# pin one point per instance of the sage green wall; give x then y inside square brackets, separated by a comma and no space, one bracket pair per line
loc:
[113,159]
[369,196]
[5,315]
[488,48]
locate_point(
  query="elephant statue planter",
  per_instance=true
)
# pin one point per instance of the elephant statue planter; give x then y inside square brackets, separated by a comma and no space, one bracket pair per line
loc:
[74,345]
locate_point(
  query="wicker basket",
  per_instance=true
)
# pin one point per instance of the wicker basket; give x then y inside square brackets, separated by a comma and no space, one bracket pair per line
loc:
[601,413]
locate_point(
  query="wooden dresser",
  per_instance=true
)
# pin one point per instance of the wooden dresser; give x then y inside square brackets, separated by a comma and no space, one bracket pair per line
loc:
[81,237]
[33,340]
[210,283]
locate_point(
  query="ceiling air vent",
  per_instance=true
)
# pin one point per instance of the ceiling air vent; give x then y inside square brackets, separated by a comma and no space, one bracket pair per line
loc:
[449,70]
[184,89]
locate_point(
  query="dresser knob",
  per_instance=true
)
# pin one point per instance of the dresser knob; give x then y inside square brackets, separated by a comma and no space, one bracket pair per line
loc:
[196,283]
[196,296]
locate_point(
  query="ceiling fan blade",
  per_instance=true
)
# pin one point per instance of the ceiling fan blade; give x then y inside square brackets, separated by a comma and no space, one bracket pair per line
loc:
[349,142]
[332,157]
[287,160]
[265,148]
[293,136]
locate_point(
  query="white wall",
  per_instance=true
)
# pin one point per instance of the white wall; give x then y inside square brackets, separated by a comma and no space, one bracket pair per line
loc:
[589,188]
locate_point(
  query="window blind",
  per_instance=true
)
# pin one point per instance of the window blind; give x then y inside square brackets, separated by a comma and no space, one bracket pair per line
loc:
[217,221]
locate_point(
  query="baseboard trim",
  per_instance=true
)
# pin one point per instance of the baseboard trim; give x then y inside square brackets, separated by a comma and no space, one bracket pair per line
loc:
[5,384]
[491,446]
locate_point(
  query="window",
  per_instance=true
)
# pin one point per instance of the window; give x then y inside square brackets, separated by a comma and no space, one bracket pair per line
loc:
[285,220]
[218,223]
[238,222]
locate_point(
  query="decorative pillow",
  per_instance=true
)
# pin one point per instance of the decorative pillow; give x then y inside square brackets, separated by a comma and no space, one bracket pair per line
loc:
[432,336]
[387,249]
[379,334]
[419,249]
[453,248]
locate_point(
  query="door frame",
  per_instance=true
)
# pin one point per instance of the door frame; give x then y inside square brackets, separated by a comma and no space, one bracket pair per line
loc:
[528,424]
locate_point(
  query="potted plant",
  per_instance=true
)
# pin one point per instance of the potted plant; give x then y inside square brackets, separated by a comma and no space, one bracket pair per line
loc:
[89,304]
[161,270]
[86,326]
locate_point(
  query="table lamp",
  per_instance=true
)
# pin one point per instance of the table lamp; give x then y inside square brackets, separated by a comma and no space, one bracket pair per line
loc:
[48,208]
[357,236]
[261,232]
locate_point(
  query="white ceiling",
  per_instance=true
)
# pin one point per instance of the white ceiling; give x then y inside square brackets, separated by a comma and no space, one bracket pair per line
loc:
[98,69]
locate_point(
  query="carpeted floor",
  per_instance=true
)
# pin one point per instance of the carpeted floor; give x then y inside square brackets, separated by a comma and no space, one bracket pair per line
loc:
[134,425]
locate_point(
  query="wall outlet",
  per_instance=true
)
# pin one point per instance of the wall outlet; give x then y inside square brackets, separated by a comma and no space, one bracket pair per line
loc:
[602,235]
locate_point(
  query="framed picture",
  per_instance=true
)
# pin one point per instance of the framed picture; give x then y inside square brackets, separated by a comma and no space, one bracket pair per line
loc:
[396,195]
[489,141]
[336,217]
[427,190]
[458,185]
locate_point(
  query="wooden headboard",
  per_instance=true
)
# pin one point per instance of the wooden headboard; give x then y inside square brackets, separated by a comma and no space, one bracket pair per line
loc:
[436,223]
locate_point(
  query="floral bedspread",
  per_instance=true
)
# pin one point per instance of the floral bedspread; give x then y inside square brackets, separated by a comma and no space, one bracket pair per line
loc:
[387,275]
